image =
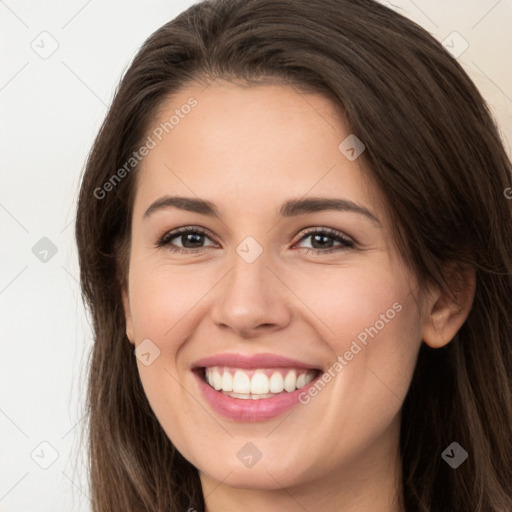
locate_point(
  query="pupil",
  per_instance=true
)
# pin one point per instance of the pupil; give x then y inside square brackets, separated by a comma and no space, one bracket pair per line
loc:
[198,238]
[315,237]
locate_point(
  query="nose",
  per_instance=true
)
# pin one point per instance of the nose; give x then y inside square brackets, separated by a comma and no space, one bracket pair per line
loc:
[252,300]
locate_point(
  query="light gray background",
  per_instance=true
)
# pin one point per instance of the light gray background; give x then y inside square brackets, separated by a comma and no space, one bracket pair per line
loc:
[51,109]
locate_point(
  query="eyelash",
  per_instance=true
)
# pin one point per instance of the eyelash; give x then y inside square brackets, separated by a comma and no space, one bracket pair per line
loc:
[346,242]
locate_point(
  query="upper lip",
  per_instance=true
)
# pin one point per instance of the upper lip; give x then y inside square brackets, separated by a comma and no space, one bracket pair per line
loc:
[252,361]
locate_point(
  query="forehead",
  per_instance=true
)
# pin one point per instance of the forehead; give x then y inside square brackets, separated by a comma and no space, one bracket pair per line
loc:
[249,145]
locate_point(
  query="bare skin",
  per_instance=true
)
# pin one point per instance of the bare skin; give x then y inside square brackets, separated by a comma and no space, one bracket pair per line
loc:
[248,150]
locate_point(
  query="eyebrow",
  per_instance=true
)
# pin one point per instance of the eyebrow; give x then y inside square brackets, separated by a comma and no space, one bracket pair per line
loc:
[290,208]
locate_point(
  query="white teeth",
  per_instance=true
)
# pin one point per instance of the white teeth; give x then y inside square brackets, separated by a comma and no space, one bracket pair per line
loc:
[227,381]
[276,383]
[248,397]
[240,385]
[290,380]
[241,382]
[259,384]
[217,381]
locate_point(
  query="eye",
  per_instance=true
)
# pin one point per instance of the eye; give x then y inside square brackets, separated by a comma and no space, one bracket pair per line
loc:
[192,238]
[320,238]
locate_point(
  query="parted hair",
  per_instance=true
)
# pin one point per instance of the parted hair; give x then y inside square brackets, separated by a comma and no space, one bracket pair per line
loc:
[434,151]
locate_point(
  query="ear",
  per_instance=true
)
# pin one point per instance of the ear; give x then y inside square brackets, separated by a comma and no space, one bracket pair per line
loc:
[446,313]
[128,317]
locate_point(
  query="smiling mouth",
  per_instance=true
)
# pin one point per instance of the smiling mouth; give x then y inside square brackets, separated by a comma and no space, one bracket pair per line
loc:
[256,384]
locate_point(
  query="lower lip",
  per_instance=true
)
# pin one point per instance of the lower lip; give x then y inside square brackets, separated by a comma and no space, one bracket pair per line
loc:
[250,410]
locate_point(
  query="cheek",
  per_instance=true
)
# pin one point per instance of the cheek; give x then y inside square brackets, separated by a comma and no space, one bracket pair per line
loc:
[369,318]
[166,307]
[161,297]
[346,301]
[162,303]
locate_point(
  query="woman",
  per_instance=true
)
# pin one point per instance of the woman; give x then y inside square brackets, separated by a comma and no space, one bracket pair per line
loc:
[235,367]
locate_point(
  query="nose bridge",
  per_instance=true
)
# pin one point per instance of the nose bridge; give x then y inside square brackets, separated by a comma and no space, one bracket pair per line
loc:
[248,281]
[249,296]
[249,264]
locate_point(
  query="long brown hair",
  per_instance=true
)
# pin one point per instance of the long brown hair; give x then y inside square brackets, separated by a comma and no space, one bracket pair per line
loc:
[434,151]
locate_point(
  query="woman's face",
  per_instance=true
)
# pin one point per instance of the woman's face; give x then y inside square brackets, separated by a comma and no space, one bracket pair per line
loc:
[262,281]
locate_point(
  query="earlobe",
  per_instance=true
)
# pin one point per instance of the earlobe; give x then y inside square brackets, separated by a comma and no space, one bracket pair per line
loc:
[446,313]
[128,317]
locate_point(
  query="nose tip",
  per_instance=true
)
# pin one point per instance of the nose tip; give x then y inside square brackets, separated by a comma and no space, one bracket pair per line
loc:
[249,322]
[251,300]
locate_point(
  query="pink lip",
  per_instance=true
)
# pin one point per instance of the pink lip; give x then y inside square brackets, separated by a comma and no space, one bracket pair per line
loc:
[254,361]
[250,410]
